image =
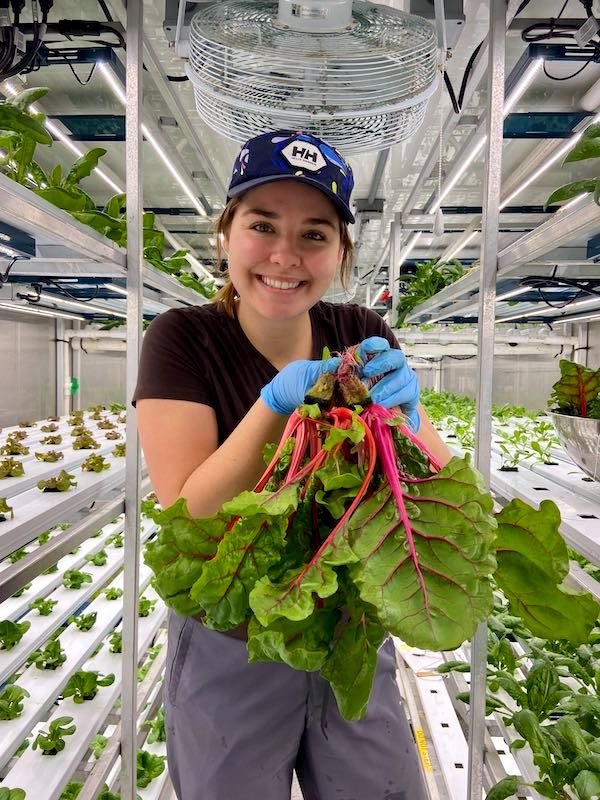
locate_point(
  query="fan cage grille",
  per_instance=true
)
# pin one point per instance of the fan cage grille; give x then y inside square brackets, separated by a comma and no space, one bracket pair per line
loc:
[364,89]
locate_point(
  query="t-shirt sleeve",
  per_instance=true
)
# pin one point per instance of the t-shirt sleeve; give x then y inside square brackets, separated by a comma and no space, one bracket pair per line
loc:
[171,363]
[376,326]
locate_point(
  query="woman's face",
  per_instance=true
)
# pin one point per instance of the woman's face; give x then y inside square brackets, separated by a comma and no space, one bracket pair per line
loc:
[284,248]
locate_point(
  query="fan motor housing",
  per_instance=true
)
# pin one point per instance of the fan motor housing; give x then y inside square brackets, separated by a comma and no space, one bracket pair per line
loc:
[315,16]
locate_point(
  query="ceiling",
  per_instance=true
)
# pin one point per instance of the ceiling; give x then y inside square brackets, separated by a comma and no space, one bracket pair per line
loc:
[205,158]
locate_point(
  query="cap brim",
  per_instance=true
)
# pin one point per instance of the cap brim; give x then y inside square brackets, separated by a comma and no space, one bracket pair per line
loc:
[345,212]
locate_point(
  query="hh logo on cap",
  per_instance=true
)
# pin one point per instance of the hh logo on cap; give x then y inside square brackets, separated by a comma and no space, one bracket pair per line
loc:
[304,154]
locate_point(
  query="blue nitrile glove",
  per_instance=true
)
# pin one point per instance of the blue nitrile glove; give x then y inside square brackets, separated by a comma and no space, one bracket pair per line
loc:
[400,386]
[288,388]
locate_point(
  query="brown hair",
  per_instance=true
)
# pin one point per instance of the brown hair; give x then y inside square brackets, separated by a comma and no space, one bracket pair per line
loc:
[227,294]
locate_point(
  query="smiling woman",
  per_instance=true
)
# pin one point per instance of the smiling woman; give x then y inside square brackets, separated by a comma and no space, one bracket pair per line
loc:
[217,383]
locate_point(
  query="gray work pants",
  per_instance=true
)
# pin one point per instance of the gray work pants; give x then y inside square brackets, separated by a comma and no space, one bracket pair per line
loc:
[236,731]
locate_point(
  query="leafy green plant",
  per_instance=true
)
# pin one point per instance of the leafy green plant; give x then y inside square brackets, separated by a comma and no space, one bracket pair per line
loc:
[11,633]
[98,559]
[5,509]
[52,439]
[22,590]
[586,148]
[76,418]
[151,657]
[52,741]
[149,505]
[84,622]
[98,744]
[544,441]
[106,425]
[149,767]
[85,442]
[51,569]
[113,593]
[13,447]
[11,701]
[80,430]
[59,483]
[74,578]
[577,393]
[158,731]
[20,133]
[119,450]
[11,468]
[51,657]
[51,428]
[116,540]
[26,423]
[146,606]
[43,606]
[84,685]
[113,435]
[44,538]
[116,642]
[17,555]
[514,446]
[95,463]
[71,791]
[430,277]
[64,191]
[19,436]
[50,456]
[11,794]
[106,794]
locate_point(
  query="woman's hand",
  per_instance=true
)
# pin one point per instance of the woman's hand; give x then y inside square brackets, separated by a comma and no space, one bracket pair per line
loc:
[289,387]
[399,386]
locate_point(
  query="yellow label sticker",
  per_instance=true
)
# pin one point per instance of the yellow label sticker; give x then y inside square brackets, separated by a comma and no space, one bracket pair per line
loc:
[423,751]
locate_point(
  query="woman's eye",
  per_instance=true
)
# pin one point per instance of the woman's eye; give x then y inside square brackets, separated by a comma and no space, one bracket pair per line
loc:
[261,227]
[316,235]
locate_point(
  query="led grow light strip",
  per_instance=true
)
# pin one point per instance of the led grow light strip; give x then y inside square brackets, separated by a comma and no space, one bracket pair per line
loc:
[545,311]
[509,104]
[582,318]
[39,312]
[114,288]
[120,94]
[81,305]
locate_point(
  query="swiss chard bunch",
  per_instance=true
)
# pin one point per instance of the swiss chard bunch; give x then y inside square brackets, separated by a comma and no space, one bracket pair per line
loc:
[577,393]
[355,531]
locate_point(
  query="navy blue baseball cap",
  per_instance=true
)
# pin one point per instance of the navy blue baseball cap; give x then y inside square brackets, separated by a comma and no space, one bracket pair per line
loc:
[284,155]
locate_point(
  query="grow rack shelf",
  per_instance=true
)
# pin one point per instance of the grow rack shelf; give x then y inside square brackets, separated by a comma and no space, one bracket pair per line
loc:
[521,258]
[88,253]
[46,776]
[45,686]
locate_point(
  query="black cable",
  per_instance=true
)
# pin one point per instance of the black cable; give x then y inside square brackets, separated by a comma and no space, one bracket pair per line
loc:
[177,78]
[4,278]
[72,296]
[77,78]
[566,77]
[104,8]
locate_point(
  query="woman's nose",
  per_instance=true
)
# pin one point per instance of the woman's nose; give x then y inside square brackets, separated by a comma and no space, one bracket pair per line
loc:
[286,253]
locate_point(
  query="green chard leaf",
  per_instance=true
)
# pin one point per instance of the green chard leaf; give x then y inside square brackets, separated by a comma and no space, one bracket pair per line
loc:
[507,787]
[532,562]
[178,554]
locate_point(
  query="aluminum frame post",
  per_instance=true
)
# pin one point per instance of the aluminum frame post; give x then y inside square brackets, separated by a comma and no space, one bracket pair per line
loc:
[134,178]
[394,269]
[485,362]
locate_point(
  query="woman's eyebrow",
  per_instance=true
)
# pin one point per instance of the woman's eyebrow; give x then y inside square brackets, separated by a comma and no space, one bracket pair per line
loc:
[261,212]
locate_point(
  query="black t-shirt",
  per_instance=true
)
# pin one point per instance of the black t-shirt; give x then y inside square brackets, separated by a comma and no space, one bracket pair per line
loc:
[202,354]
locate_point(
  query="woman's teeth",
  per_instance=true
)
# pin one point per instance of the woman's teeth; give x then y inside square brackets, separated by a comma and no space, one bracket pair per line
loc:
[279,284]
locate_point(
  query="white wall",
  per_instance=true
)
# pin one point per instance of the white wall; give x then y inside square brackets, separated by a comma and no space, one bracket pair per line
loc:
[27,368]
[102,378]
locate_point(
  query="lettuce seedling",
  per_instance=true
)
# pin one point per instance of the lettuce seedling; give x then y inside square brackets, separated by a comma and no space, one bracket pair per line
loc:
[60,483]
[84,622]
[14,448]
[116,540]
[19,436]
[43,606]
[113,435]
[51,428]
[11,633]
[84,685]
[11,468]
[52,439]
[52,741]
[95,463]
[85,443]
[50,456]
[5,509]
[11,701]
[146,606]
[12,794]
[71,791]
[98,744]
[26,424]
[98,559]
[158,731]
[149,767]
[23,589]
[74,578]
[354,531]
[116,642]
[80,430]
[113,593]
[106,425]
[51,656]
[17,555]
[119,451]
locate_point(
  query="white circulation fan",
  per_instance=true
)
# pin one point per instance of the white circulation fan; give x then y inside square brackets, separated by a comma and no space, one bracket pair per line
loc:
[359,75]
